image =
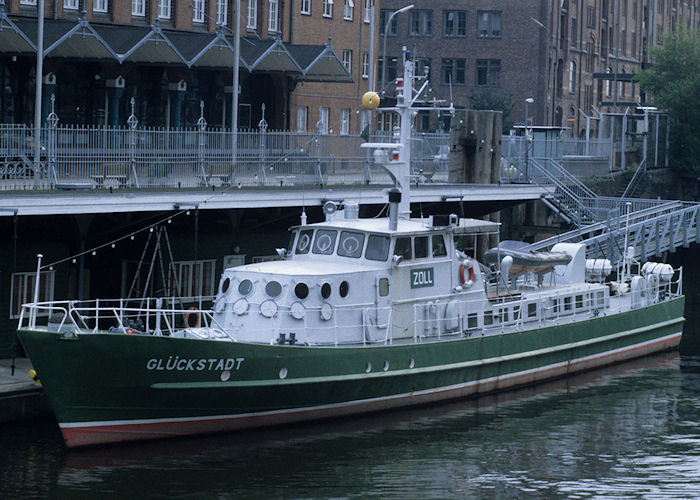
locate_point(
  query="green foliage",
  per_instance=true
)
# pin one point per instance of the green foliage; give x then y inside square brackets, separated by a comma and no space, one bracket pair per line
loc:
[673,82]
[487,99]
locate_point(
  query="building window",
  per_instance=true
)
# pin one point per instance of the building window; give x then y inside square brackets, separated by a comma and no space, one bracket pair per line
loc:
[365,116]
[572,77]
[100,6]
[573,31]
[453,71]
[193,278]
[221,12]
[607,83]
[489,24]
[488,72]
[590,16]
[454,23]
[252,22]
[349,10]
[393,27]
[327,8]
[273,19]
[421,23]
[423,66]
[198,11]
[587,97]
[344,121]
[302,118]
[70,4]
[391,65]
[323,117]
[138,7]
[163,9]
[368,11]
[23,291]
[365,65]
[27,2]
[306,7]
[347,60]
[589,57]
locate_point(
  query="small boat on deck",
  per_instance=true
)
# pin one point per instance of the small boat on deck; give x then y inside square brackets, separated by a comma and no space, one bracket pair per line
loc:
[360,315]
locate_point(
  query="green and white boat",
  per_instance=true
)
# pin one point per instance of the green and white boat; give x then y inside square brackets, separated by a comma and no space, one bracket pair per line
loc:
[360,315]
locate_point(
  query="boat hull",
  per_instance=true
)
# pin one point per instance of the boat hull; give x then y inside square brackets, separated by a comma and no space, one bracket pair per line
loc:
[114,387]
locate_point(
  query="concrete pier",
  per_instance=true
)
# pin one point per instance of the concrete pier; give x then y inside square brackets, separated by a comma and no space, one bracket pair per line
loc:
[20,397]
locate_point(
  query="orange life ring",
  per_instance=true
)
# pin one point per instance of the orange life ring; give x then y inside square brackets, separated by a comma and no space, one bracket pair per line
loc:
[462,278]
[187,317]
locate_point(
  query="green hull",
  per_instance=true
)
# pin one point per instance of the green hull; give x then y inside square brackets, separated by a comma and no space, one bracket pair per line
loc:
[115,387]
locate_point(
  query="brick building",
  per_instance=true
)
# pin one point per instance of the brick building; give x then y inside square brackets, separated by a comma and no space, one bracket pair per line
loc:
[569,56]
[171,54]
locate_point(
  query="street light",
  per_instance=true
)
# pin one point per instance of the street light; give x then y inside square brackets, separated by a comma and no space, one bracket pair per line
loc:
[529,100]
[386,32]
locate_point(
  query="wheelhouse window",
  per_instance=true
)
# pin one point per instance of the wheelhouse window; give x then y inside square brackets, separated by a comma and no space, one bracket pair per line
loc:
[304,242]
[324,242]
[439,248]
[377,247]
[22,290]
[402,248]
[420,247]
[351,244]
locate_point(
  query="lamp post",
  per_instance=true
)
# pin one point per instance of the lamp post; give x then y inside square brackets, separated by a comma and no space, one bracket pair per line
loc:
[528,101]
[386,32]
[37,95]
[234,95]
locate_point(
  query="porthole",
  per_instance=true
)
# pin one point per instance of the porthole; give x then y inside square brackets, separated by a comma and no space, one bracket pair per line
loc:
[301,290]
[411,363]
[344,288]
[326,290]
[273,288]
[225,284]
[225,375]
[283,373]
[368,367]
[386,365]
[245,287]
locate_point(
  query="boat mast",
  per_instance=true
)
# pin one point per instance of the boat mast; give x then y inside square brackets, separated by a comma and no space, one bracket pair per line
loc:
[404,105]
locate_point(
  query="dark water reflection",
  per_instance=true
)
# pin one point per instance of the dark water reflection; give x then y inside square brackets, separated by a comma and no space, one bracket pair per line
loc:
[628,431]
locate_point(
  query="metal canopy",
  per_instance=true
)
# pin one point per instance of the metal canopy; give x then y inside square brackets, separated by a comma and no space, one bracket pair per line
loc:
[208,51]
[155,47]
[82,41]
[12,39]
[320,63]
[268,55]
